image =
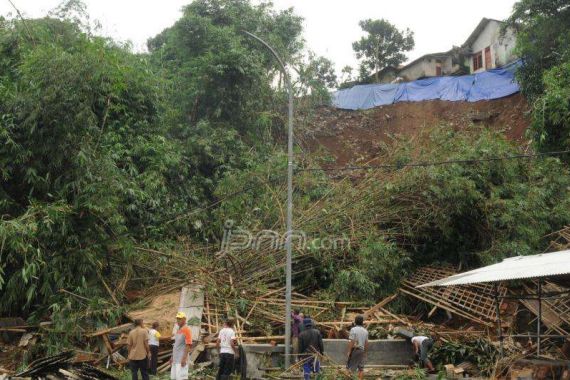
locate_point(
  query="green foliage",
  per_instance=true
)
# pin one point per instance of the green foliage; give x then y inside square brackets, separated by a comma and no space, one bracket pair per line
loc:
[376,272]
[383,46]
[417,374]
[102,150]
[352,284]
[73,117]
[316,77]
[483,211]
[470,212]
[479,351]
[218,73]
[543,39]
[551,114]
[347,79]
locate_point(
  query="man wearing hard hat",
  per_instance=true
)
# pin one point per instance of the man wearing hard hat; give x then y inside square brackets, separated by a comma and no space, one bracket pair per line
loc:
[181,349]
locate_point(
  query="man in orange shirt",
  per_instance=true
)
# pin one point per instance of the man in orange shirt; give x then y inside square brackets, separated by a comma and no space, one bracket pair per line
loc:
[139,352]
[181,349]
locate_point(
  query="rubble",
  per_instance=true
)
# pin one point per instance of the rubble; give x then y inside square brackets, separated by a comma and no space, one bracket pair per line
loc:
[62,366]
[473,302]
[470,347]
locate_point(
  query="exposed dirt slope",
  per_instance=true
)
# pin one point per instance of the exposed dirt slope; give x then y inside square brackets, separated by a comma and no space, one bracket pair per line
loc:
[360,136]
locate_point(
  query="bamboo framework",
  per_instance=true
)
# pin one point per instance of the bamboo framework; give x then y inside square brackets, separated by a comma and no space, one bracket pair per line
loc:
[474,302]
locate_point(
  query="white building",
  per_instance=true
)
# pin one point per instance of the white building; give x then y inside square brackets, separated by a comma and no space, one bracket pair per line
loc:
[489,47]
[429,65]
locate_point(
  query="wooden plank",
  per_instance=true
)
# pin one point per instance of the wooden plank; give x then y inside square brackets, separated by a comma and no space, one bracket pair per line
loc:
[110,330]
[549,317]
[445,306]
[379,305]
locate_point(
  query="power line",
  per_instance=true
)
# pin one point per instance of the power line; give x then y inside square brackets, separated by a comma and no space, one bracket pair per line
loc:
[438,163]
[366,167]
[218,201]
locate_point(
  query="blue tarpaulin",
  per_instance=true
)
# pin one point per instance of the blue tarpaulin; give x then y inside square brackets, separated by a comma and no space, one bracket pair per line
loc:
[492,84]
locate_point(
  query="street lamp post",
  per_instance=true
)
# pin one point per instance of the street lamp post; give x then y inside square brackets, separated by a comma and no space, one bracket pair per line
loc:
[289,201]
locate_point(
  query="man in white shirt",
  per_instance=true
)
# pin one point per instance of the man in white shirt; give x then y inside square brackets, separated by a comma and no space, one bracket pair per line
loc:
[357,347]
[422,346]
[227,348]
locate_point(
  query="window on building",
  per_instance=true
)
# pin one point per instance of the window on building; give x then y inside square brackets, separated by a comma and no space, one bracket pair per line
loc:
[488,64]
[477,61]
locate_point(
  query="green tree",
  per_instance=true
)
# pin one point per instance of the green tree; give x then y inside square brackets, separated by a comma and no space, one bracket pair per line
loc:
[85,168]
[550,126]
[383,46]
[102,150]
[543,39]
[543,42]
[316,77]
[346,79]
[216,72]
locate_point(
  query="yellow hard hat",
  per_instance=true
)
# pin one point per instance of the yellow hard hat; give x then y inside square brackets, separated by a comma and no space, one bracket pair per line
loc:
[180,315]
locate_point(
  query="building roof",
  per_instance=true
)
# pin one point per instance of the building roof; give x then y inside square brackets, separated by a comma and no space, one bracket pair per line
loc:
[480,27]
[425,56]
[514,268]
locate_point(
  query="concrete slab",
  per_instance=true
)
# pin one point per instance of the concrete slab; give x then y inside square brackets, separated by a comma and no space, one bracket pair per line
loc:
[192,304]
[380,352]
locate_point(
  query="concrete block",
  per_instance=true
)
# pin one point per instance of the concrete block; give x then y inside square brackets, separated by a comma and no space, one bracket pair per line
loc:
[380,352]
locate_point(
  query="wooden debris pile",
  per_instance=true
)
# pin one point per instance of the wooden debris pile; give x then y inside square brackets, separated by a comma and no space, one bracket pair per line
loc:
[555,311]
[264,315]
[473,302]
[62,366]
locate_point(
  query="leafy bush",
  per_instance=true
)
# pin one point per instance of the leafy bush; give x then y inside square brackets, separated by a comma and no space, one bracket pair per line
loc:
[479,351]
[551,114]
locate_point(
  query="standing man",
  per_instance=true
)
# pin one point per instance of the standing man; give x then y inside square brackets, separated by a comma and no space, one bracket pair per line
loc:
[181,349]
[227,348]
[357,347]
[296,322]
[139,352]
[422,346]
[310,345]
[153,342]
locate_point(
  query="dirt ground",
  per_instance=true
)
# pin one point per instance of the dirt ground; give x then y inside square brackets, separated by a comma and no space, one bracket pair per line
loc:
[359,136]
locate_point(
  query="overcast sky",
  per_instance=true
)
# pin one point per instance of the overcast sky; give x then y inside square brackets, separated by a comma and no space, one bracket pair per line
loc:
[330,25]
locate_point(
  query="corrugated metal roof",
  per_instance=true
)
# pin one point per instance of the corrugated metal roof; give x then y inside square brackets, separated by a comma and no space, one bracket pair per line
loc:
[514,268]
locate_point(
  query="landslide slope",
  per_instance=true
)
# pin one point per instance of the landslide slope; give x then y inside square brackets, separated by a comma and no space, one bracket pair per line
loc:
[357,137]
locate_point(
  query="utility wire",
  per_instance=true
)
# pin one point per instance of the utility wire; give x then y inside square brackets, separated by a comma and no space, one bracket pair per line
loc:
[369,167]
[438,163]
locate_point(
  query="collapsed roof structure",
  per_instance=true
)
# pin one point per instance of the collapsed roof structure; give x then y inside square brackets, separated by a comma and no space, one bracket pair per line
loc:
[536,267]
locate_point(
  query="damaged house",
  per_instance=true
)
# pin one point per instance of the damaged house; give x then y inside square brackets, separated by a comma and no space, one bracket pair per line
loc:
[487,47]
